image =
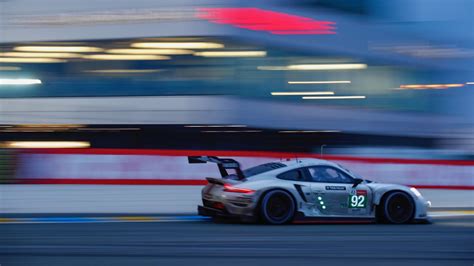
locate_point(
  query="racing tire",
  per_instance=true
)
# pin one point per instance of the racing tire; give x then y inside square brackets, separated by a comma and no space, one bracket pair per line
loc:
[277,207]
[397,208]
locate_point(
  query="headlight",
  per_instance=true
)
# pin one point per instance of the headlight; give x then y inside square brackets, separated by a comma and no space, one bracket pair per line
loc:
[416,192]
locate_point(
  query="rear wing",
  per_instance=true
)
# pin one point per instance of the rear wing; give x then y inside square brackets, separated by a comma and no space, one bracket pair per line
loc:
[222,163]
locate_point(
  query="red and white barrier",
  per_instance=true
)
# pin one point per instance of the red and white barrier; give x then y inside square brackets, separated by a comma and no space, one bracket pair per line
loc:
[170,167]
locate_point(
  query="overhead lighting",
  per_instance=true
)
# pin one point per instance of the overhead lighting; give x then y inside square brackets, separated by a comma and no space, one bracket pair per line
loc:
[121,71]
[309,131]
[30,60]
[204,126]
[315,67]
[178,45]
[321,82]
[50,55]
[470,83]
[73,49]
[125,57]
[231,131]
[150,51]
[19,81]
[231,54]
[46,144]
[332,97]
[9,68]
[429,86]
[293,93]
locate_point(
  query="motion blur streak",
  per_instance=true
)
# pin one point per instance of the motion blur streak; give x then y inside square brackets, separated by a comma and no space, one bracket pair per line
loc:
[125,57]
[321,82]
[50,55]
[232,54]
[308,131]
[315,67]
[9,68]
[332,97]
[327,66]
[302,93]
[19,81]
[430,86]
[198,126]
[46,144]
[231,131]
[122,71]
[150,51]
[76,49]
[265,20]
[30,60]
[178,45]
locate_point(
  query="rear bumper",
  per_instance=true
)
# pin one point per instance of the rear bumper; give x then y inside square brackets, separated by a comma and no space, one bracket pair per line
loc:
[212,212]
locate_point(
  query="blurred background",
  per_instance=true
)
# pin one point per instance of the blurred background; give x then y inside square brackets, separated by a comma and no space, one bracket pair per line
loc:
[102,101]
[360,76]
[358,80]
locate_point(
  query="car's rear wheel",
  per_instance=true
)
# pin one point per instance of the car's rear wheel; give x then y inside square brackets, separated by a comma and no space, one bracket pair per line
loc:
[397,208]
[277,207]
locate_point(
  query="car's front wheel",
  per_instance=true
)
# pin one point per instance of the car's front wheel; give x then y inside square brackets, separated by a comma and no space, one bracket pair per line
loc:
[277,207]
[397,207]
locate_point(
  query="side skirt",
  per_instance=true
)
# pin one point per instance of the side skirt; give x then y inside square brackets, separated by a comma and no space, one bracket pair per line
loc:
[300,218]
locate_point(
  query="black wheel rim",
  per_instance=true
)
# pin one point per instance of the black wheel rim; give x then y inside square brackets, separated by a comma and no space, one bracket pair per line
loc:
[278,207]
[400,208]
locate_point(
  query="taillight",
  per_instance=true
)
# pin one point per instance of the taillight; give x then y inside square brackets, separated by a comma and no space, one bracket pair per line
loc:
[229,188]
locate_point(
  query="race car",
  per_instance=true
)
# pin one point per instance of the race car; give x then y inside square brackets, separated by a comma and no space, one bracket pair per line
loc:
[305,190]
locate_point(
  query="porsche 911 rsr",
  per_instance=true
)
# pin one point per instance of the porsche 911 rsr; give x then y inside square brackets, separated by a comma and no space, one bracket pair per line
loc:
[305,190]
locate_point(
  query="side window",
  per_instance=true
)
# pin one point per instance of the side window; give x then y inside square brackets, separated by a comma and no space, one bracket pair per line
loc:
[328,175]
[295,175]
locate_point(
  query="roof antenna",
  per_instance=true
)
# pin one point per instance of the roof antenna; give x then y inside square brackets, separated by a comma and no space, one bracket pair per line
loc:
[322,148]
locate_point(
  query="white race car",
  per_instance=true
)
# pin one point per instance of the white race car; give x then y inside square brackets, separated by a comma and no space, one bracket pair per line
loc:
[305,190]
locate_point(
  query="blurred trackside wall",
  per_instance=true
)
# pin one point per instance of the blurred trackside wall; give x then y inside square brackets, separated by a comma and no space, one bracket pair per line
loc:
[170,167]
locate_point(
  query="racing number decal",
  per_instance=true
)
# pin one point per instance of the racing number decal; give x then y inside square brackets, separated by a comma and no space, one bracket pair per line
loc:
[358,200]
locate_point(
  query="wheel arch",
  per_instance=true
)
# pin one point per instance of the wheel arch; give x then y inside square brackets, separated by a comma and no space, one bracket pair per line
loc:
[380,193]
[388,192]
[267,190]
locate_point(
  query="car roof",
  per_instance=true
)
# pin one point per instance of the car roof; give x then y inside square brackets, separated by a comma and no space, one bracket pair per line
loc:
[297,163]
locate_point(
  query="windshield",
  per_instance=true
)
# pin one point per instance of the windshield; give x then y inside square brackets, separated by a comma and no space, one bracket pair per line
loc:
[350,172]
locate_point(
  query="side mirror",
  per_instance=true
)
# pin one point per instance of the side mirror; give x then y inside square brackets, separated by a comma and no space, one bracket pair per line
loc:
[357,181]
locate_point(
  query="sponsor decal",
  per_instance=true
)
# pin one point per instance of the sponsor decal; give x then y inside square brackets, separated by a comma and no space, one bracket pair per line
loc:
[335,188]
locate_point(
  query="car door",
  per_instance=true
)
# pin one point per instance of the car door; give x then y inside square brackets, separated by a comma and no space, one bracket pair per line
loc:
[333,193]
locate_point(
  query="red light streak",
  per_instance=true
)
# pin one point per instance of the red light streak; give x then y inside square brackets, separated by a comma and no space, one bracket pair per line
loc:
[264,20]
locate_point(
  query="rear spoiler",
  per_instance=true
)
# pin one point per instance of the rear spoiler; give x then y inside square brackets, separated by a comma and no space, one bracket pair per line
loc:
[222,163]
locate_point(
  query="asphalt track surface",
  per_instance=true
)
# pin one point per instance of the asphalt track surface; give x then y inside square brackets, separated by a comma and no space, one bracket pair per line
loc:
[448,241]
